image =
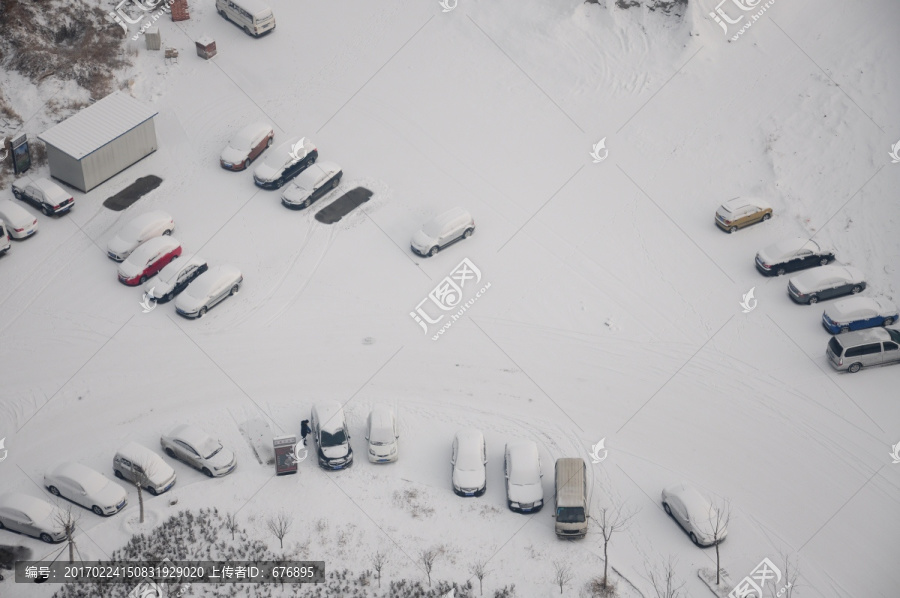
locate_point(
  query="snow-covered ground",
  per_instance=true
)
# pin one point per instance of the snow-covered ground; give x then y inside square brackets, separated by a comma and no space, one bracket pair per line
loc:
[614,306]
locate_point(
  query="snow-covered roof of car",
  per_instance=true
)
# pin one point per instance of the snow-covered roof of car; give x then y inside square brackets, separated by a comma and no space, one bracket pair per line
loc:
[869,335]
[92,480]
[328,412]
[739,202]
[211,279]
[86,131]
[523,455]
[791,247]
[137,224]
[150,247]
[34,507]
[246,136]
[469,443]
[202,442]
[860,307]
[812,279]
[694,502]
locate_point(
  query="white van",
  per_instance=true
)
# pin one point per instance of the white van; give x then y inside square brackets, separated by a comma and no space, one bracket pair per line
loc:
[253,16]
[4,239]
[382,434]
[137,463]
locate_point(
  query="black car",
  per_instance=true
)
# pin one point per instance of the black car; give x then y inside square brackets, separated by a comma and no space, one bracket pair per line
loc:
[175,277]
[791,255]
[285,162]
[826,282]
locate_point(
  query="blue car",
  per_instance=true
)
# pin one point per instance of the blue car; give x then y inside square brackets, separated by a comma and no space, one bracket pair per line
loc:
[859,312]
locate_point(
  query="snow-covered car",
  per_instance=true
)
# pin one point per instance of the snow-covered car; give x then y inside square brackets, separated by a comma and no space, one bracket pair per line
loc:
[826,282]
[285,162]
[742,211]
[19,223]
[44,194]
[246,145]
[141,466]
[31,516]
[4,239]
[311,184]
[790,255]
[150,257]
[199,450]
[86,487]
[522,466]
[864,348]
[857,313]
[382,434]
[695,514]
[136,231]
[443,230]
[208,290]
[175,277]
[469,460]
[332,436]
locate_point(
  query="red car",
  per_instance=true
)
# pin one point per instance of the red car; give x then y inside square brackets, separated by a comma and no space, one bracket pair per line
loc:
[150,257]
[246,145]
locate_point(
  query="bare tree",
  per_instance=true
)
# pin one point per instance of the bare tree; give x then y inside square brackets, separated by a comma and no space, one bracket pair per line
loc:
[379,560]
[231,524]
[562,574]
[611,520]
[664,584]
[719,515]
[479,570]
[280,525]
[428,557]
[790,573]
[68,520]
[142,473]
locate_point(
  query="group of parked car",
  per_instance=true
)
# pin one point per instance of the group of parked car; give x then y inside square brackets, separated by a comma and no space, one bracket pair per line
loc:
[86,487]
[149,255]
[16,222]
[862,323]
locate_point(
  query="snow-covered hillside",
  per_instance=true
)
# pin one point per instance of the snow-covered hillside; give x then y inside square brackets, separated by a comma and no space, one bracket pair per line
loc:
[613,310]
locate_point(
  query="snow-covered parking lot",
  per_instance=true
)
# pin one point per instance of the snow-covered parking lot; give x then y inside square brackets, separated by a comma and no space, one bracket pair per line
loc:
[614,307]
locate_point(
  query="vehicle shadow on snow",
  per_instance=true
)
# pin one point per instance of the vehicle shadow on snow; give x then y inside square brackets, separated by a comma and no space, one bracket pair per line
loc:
[343,205]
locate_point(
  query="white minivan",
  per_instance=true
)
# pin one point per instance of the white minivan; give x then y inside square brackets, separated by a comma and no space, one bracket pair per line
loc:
[253,16]
[139,465]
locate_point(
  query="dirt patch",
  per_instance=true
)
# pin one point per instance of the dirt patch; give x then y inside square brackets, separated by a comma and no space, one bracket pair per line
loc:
[132,193]
[343,205]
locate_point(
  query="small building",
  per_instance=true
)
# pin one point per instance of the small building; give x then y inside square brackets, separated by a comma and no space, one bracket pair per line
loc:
[100,141]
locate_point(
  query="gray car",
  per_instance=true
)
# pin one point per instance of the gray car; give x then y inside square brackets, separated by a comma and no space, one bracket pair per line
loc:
[694,513]
[199,450]
[864,348]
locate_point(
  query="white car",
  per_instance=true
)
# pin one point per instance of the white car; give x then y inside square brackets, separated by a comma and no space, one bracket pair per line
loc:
[86,487]
[443,230]
[311,184]
[30,516]
[207,290]
[246,145]
[382,434]
[285,162]
[44,194]
[19,223]
[694,513]
[136,231]
[522,467]
[469,458]
[199,450]
[175,277]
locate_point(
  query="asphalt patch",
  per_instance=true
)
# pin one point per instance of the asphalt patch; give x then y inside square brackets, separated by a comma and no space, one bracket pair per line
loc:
[132,193]
[343,205]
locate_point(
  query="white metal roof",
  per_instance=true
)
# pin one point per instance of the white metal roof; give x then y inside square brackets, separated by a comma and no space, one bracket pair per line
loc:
[97,125]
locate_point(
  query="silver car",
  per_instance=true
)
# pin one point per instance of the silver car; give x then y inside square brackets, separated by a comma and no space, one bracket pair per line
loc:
[86,487]
[694,513]
[468,459]
[30,516]
[522,466]
[199,450]
[864,348]
[210,288]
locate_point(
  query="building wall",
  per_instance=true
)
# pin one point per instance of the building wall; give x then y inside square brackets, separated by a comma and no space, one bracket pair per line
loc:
[117,155]
[65,168]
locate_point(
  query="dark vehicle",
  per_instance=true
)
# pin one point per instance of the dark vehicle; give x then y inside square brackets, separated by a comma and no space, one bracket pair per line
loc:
[825,282]
[791,255]
[285,162]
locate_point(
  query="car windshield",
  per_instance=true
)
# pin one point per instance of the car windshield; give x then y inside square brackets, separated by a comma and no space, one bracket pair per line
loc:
[335,438]
[381,436]
[92,483]
[570,514]
[432,229]
[895,334]
[214,452]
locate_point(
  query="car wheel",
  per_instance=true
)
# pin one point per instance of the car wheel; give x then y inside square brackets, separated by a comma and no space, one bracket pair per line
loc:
[97,510]
[767,216]
[119,474]
[269,142]
[152,490]
[694,539]
[781,271]
[46,538]
[306,203]
[813,299]
[823,261]
[53,490]
[224,16]
[667,509]
[888,321]
[234,289]
[45,210]
[279,182]
[309,162]
[845,329]
[143,279]
[854,367]
[170,452]
[247,29]
[732,229]
[856,289]
[202,312]
[335,183]
[433,251]
[17,194]
[207,472]
[167,232]
[1,525]
[169,296]
[468,233]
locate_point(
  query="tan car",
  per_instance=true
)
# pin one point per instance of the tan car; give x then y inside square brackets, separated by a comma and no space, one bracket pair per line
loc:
[740,212]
